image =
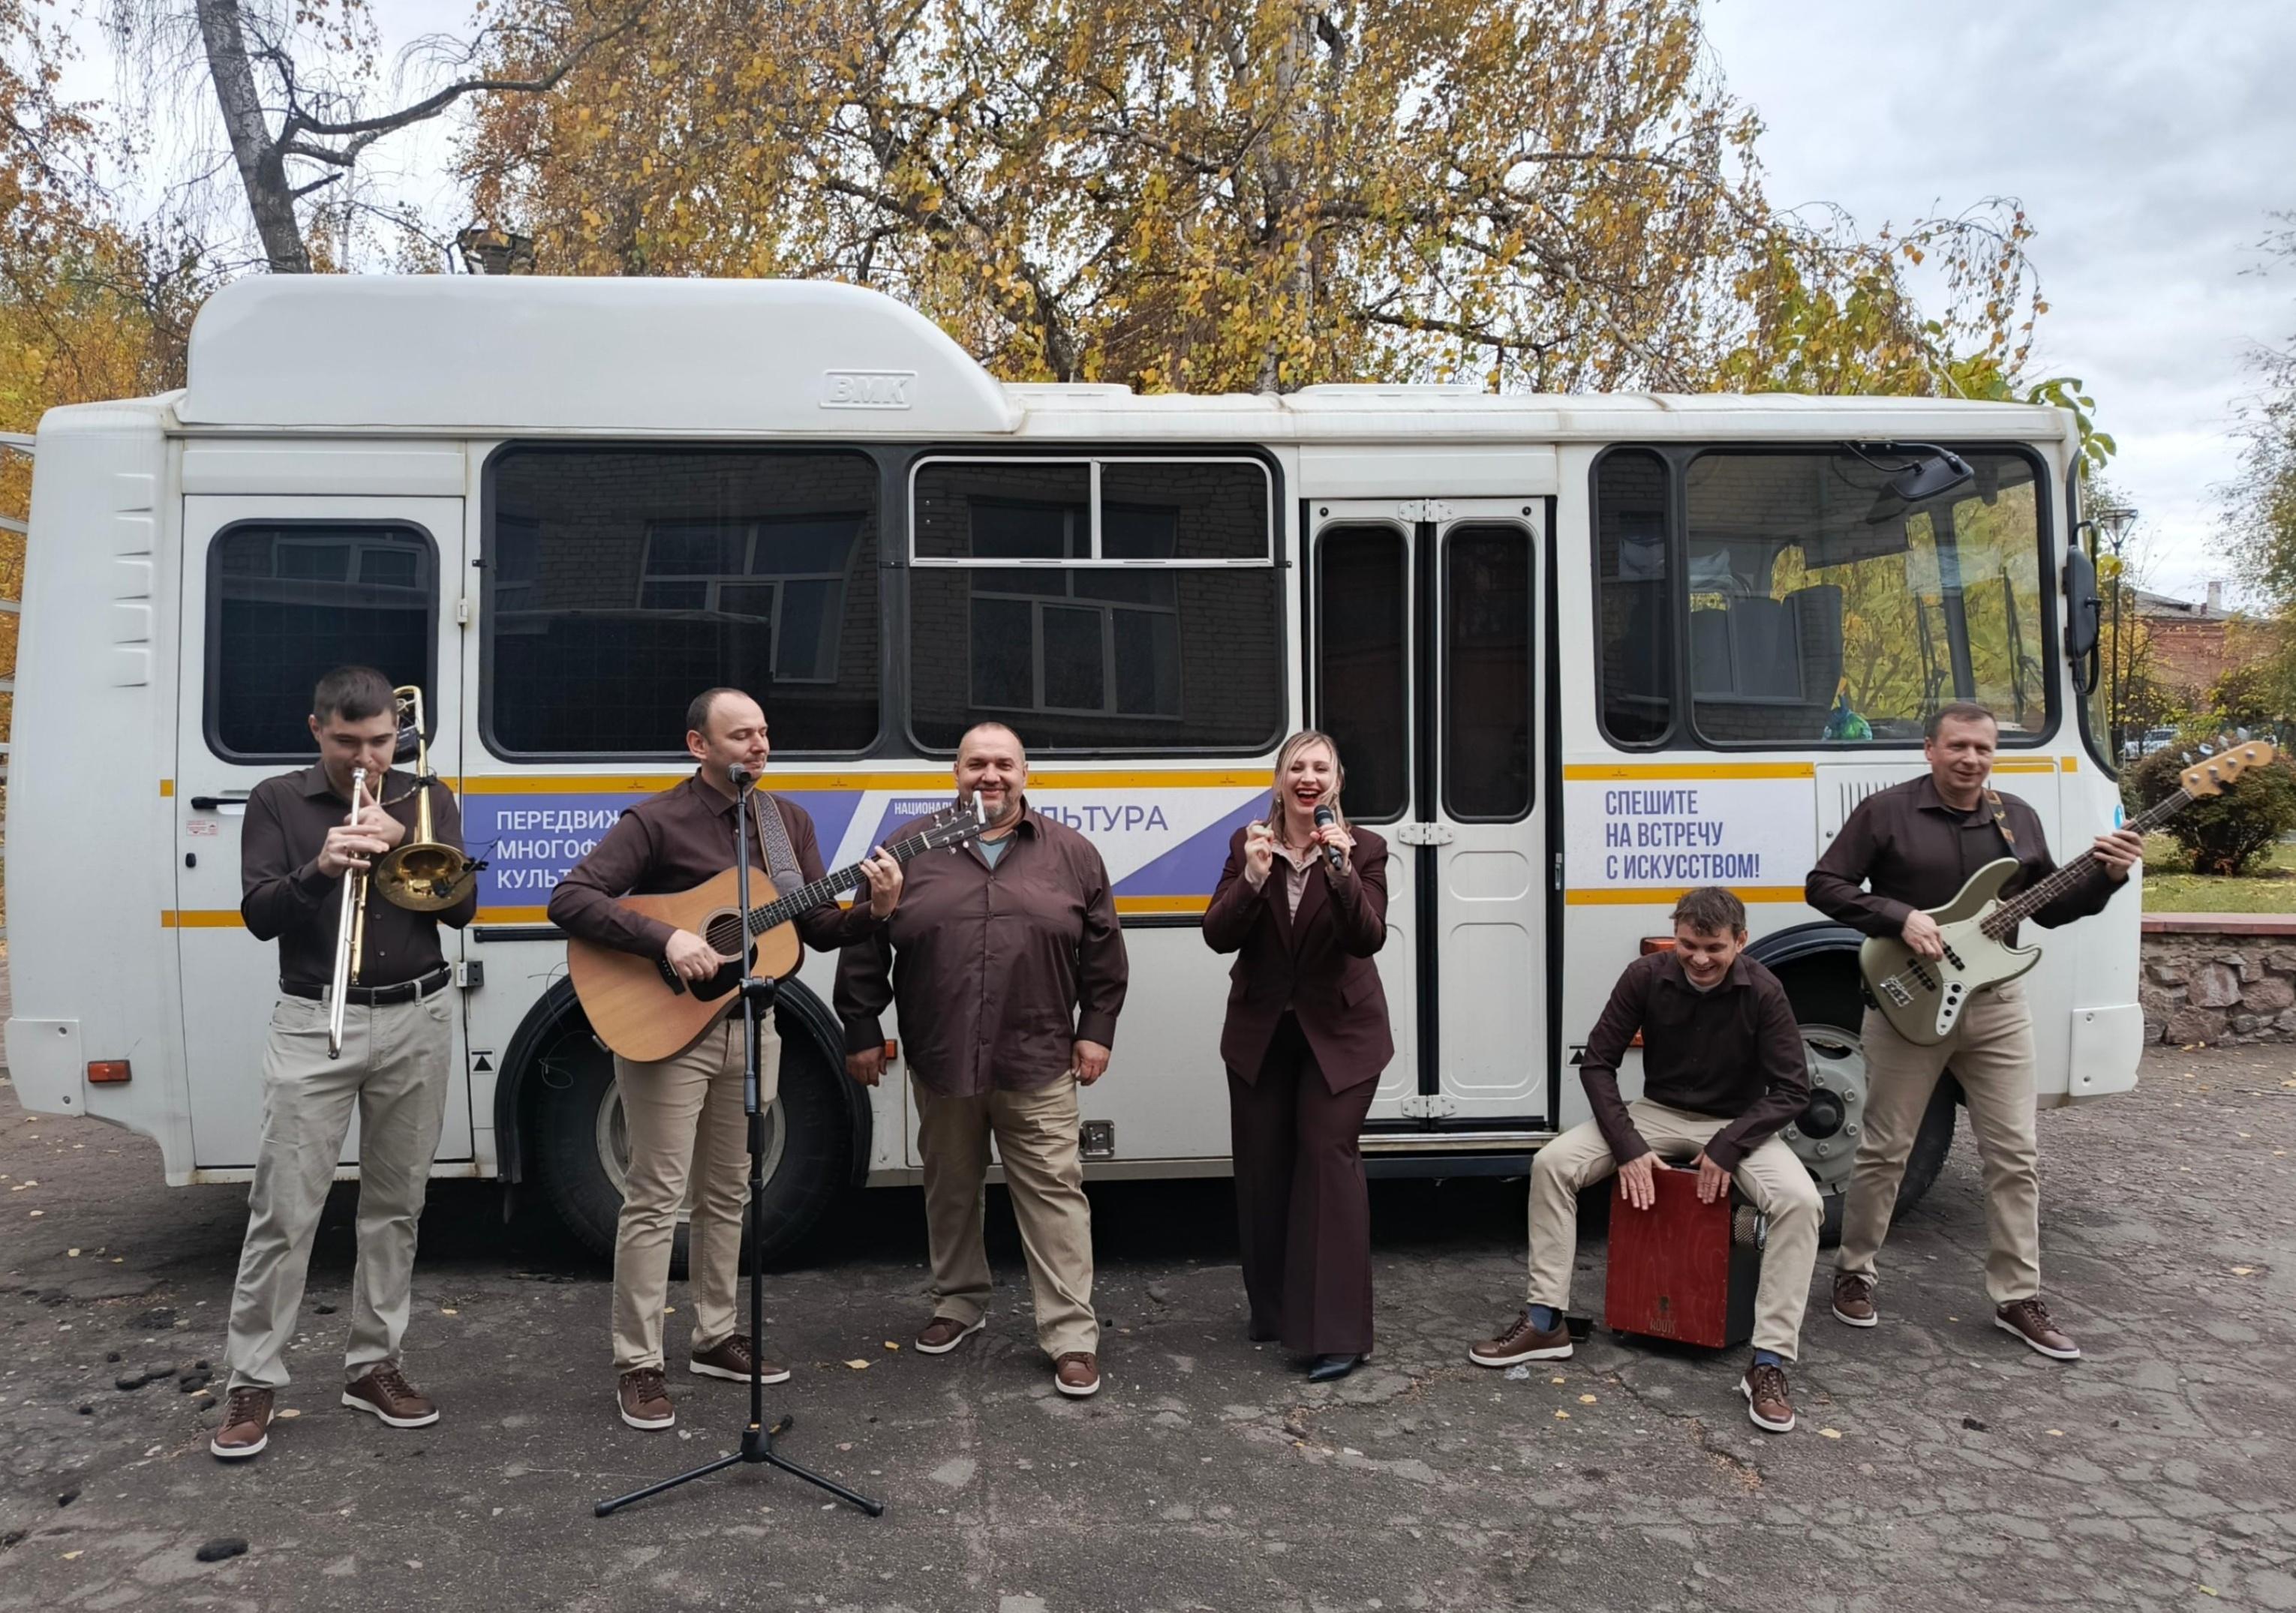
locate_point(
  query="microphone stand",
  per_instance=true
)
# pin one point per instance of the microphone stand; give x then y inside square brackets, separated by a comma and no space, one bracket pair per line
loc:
[757,998]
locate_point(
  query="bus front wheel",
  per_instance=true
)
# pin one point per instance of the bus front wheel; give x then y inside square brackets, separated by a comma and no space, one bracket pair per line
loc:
[582,1145]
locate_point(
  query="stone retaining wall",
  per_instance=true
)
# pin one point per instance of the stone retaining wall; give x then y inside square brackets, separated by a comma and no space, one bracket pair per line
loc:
[2218,978]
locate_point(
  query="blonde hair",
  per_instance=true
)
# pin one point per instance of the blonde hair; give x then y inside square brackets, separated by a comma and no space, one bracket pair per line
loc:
[1293,747]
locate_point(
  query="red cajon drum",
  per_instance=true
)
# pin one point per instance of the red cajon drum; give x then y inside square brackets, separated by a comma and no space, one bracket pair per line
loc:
[1683,1270]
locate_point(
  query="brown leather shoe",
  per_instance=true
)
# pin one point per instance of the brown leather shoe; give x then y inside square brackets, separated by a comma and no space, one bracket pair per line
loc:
[1853,1299]
[2028,1319]
[246,1424]
[1764,1386]
[1523,1341]
[385,1394]
[730,1359]
[644,1395]
[1077,1374]
[943,1334]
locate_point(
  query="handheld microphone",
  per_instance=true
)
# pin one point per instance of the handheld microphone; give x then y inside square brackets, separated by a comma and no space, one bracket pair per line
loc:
[1325,818]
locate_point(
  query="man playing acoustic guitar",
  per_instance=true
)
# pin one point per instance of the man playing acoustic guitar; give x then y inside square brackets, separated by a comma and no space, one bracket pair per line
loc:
[1916,846]
[672,842]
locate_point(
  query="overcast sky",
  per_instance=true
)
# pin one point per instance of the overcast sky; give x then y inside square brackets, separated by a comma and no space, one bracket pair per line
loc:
[2149,142]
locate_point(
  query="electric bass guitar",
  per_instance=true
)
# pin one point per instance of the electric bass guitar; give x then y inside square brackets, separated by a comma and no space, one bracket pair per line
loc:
[1922,998]
[639,1007]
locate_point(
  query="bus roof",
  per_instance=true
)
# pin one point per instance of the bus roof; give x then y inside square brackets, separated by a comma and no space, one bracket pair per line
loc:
[529,355]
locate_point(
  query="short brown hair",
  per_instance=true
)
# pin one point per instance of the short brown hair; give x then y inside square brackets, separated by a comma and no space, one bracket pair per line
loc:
[697,710]
[1958,711]
[1712,911]
[354,693]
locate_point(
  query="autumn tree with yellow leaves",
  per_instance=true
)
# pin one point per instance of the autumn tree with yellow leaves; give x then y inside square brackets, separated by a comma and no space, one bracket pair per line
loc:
[1216,195]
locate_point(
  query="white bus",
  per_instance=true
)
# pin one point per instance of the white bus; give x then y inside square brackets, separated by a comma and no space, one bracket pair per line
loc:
[1581,653]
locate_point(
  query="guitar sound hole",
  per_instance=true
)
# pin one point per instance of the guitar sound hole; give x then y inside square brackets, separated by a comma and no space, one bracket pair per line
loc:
[725,933]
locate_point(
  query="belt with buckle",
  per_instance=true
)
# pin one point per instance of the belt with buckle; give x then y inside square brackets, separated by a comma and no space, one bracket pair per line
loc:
[377,996]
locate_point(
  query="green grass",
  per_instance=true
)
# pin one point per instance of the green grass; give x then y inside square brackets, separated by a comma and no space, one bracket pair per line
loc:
[2268,886]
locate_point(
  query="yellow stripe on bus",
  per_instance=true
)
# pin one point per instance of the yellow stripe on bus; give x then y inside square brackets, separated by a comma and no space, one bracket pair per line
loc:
[166,787]
[798,784]
[1628,771]
[1652,896]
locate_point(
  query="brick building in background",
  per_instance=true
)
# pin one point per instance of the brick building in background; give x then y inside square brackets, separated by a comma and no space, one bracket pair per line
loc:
[2191,644]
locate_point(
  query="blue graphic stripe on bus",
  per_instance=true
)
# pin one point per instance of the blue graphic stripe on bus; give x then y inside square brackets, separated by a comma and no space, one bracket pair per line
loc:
[529,841]
[1193,867]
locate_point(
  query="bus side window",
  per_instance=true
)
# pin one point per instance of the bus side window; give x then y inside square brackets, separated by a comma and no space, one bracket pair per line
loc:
[1635,623]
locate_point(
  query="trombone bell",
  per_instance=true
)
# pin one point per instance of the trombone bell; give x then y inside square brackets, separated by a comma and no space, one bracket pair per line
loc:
[422,874]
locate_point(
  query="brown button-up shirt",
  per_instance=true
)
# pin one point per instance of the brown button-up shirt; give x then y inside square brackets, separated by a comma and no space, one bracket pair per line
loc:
[284,896]
[1734,1052]
[998,970]
[672,842]
[1915,851]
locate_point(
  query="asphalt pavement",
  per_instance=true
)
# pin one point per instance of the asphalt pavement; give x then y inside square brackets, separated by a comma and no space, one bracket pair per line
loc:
[1938,1463]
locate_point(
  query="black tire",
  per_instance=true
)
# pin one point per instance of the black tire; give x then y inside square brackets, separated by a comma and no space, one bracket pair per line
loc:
[1826,993]
[808,1143]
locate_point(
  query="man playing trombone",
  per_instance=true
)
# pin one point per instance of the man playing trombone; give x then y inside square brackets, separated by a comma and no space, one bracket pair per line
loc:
[304,834]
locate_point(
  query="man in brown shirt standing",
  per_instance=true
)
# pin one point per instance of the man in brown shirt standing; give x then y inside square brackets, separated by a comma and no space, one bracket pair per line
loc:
[297,845]
[1916,846]
[1723,1072]
[673,842]
[1009,971]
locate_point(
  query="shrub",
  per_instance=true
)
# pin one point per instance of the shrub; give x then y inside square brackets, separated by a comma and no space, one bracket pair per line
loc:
[2221,833]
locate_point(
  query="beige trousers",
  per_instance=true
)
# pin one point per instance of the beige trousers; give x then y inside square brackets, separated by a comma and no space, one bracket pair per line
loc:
[393,1074]
[1037,1141]
[686,1121]
[1770,1176]
[1991,1051]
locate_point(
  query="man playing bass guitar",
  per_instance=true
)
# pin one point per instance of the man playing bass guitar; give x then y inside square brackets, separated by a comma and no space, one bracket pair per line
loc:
[673,842]
[1905,849]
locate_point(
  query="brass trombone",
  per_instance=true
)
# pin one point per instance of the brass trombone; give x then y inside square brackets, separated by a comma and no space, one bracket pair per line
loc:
[350,931]
[420,874]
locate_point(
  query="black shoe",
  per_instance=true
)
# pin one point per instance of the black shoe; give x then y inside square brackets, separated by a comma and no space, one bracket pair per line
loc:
[1326,1368]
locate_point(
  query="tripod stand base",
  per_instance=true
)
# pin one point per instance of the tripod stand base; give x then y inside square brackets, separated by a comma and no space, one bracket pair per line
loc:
[757,1450]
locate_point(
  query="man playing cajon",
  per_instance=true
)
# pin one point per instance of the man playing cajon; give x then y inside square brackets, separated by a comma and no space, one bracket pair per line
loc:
[1723,1072]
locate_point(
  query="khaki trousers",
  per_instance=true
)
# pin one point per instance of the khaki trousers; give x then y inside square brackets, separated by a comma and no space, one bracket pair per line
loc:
[1770,1176]
[1991,1051]
[393,1075]
[686,1121]
[1037,1139]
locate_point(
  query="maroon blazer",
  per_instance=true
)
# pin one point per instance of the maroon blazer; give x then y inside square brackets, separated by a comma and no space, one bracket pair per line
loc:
[1315,963]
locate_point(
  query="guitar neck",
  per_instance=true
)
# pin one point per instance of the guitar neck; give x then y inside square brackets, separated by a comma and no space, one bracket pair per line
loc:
[823,890]
[2029,901]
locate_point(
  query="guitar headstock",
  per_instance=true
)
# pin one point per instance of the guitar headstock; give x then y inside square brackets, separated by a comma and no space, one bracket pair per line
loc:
[951,826]
[2219,766]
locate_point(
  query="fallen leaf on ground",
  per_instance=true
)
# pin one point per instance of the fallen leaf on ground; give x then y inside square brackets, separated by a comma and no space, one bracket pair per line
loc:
[891,1344]
[1829,1433]
[1562,1416]
[857,1364]
[2054,1433]
[449,1310]
[1554,1380]
[1585,1400]
[288,1415]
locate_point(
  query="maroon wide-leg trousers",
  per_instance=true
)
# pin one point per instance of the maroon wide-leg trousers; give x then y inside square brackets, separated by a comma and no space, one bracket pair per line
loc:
[1303,1213]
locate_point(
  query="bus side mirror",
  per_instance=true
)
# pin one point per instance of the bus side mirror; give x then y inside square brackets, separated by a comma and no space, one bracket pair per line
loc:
[2084,618]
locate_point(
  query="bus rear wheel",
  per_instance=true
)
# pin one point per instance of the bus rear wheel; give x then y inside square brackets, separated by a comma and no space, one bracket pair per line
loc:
[1829,1010]
[582,1147]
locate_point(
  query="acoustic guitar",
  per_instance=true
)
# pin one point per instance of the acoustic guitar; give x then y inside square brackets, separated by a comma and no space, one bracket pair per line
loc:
[1922,998]
[639,1007]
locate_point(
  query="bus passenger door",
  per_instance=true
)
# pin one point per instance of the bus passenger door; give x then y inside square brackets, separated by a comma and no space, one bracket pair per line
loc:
[276,591]
[1426,669]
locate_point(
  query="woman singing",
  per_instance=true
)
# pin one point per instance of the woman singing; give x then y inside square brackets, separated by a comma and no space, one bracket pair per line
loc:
[1303,905]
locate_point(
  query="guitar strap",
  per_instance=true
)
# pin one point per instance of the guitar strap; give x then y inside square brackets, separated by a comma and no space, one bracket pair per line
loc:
[773,834]
[2001,819]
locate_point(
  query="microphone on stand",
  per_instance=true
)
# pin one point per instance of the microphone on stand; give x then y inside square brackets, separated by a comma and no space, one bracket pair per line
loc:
[739,777]
[1325,818]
